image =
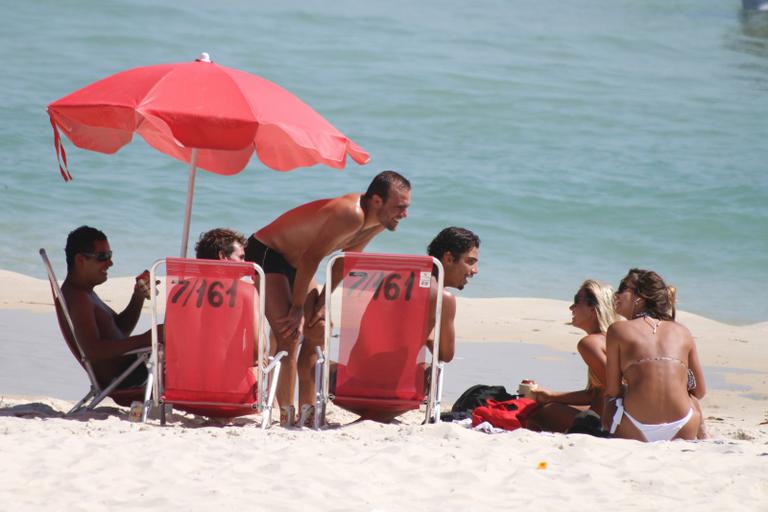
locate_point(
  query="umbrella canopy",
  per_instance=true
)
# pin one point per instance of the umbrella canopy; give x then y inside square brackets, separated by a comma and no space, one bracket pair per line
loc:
[201,113]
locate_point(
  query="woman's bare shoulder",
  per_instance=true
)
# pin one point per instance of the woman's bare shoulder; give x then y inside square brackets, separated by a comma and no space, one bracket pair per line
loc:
[680,331]
[591,348]
[678,326]
[592,341]
[620,326]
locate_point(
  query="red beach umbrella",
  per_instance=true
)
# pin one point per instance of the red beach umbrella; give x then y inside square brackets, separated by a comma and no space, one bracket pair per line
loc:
[201,113]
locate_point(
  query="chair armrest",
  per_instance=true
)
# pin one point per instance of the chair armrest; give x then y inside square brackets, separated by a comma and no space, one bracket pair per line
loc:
[273,361]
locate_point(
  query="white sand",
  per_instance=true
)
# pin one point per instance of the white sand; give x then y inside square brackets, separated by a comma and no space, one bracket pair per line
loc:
[100,461]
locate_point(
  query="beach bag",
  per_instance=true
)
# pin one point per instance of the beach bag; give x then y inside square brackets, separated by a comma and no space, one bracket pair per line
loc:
[509,414]
[587,422]
[478,395]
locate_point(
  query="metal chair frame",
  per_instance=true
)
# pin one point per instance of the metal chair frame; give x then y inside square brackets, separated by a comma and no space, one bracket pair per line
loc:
[267,376]
[322,367]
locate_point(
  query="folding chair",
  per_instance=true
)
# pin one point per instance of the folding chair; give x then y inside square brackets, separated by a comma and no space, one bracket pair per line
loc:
[381,367]
[209,364]
[97,393]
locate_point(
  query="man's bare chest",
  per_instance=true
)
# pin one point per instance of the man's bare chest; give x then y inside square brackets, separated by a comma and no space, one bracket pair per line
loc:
[105,317]
[356,238]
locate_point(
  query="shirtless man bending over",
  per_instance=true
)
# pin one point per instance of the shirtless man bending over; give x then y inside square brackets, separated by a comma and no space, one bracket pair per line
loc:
[290,250]
[458,249]
[103,333]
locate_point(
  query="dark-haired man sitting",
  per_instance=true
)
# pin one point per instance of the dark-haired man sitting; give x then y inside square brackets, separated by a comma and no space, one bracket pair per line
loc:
[221,244]
[458,252]
[103,333]
[458,249]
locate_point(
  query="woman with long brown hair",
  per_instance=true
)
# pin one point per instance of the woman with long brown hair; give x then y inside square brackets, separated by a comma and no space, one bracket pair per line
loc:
[649,357]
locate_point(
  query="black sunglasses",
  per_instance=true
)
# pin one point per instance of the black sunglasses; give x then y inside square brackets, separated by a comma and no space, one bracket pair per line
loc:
[99,256]
[583,298]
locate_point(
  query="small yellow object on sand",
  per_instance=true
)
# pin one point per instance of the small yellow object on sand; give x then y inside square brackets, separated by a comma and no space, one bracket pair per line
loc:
[542,465]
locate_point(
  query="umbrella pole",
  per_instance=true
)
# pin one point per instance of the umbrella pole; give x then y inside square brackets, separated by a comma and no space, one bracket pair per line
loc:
[188,212]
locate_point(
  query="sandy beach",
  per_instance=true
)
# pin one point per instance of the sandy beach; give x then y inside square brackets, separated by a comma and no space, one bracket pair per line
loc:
[576,139]
[100,460]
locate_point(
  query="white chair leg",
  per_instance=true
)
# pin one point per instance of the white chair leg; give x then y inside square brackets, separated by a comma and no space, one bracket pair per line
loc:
[148,397]
[272,370]
[319,397]
[439,394]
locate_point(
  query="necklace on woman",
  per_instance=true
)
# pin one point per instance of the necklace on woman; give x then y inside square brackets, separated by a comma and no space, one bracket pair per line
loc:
[650,321]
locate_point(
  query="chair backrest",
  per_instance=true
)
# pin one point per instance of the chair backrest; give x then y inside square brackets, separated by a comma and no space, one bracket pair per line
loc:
[66,325]
[385,309]
[213,335]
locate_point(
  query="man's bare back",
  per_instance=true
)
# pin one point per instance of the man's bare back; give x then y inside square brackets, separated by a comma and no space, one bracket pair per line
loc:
[317,223]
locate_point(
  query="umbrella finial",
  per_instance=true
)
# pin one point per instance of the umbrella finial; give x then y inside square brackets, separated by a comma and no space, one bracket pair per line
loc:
[203,57]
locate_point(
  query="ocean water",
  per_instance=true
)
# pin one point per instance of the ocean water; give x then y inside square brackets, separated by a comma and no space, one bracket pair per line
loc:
[578,139]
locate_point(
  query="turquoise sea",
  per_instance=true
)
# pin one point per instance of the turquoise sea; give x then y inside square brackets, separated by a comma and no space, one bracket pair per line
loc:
[578,139]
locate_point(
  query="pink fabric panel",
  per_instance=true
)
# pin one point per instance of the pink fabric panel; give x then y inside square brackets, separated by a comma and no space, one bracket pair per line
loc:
[385,307]
[209,332]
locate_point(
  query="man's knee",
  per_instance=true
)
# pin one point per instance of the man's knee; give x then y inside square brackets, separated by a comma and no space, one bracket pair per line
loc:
[316,332]
[308,347]
[290,345]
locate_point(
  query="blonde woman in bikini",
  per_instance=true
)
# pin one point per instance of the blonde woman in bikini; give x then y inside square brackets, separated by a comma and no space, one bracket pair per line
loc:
[651,354]
[593,312]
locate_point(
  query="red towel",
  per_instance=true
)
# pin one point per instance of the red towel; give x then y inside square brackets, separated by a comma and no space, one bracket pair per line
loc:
[509,415]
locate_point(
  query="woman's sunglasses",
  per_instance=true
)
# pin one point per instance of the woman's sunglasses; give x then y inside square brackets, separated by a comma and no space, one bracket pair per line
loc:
[98,256]
[579,298]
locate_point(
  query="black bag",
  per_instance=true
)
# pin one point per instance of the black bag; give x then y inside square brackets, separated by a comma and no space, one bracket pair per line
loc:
[588,422]
[475,396]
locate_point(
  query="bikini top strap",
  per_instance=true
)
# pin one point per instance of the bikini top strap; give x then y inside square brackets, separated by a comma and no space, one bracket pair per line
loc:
[651,359]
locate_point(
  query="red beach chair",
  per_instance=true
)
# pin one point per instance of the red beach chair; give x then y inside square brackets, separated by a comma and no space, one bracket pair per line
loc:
[97,392]
[214,358]
[382,353]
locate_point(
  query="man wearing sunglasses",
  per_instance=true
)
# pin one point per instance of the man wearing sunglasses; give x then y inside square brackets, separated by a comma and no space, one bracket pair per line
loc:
[103,333]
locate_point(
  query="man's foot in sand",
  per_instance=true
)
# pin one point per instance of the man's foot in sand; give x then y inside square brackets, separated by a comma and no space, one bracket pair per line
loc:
[307,416]
[287,416]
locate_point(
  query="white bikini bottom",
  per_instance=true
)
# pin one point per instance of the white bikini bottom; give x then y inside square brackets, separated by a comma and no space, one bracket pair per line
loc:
[658,432]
